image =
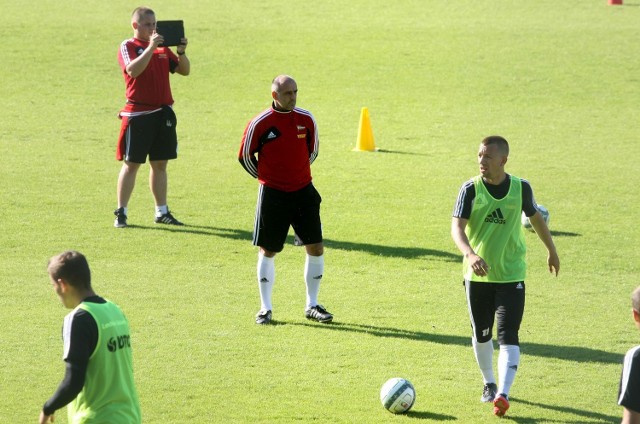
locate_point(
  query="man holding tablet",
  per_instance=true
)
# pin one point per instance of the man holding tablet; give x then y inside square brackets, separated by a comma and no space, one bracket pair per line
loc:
[148,121]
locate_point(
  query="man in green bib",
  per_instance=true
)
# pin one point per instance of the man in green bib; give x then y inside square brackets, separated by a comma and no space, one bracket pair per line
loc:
[486,227]
[98,385]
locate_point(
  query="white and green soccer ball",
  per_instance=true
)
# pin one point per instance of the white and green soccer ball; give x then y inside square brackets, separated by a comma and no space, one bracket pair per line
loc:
[397,395]
[545,215]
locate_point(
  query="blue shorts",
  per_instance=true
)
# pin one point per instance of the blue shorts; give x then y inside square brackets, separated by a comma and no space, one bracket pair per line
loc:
[278,210]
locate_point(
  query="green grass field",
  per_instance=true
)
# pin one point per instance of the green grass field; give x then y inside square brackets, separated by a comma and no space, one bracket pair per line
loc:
[558,79]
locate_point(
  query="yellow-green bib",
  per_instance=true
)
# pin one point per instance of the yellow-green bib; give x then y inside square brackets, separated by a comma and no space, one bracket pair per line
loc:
[109,394]
[495,234]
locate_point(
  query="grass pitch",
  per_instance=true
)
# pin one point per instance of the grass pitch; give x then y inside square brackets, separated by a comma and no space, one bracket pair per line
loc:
[557,79]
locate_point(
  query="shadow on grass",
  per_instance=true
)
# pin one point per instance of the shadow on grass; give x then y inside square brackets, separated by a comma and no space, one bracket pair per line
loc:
[373,249]
[566,353]
[400,152]
[188,229]
[596,416]
[564,234]
[424,415]
[392,251]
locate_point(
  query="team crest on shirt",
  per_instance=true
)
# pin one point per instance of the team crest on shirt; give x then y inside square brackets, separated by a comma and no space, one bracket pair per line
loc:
[302,128]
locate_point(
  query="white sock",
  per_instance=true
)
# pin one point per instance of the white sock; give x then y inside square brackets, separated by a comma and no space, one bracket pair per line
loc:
[266,277]
[484,357]
[313,269]
[161,210]
[508,361]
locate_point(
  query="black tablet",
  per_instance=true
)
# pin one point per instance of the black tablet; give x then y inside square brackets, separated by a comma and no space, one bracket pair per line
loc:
[172,31]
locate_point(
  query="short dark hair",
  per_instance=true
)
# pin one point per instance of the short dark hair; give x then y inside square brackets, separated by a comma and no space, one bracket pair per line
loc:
[501,142]
[141,11]
[635,299]
[71,266]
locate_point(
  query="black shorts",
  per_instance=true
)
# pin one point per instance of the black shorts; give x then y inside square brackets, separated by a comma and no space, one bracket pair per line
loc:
[277,210]
[153,134]
[486,301]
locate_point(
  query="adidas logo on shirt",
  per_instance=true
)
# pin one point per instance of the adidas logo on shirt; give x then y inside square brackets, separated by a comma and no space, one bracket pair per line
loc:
[496,217]
[271,136]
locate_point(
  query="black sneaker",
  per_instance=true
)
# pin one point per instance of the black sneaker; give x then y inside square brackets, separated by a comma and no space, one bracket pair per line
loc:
[318,313]
[263,317]
[121,218]
[489,392]
[167,218]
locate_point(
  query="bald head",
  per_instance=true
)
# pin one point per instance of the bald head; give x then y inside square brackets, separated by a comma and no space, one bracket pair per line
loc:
[284,92]
[635,299]
[279,81]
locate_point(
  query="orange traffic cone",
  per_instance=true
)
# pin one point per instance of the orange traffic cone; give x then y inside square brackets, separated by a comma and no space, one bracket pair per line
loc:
[365,134]
[612,2]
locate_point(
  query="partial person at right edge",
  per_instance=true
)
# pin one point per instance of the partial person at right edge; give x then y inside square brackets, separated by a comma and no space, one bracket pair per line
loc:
[629,391]
[278,147]
[148,120]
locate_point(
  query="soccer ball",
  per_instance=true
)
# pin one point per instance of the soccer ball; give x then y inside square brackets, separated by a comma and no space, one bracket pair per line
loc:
[397,395]
[545,215]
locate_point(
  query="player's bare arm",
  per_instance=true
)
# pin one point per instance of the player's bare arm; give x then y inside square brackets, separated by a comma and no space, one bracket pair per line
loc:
[184,66]
[542,230]
[477,264]
[140,63]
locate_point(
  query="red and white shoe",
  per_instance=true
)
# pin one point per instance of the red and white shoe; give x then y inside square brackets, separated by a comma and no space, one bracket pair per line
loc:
[500,405]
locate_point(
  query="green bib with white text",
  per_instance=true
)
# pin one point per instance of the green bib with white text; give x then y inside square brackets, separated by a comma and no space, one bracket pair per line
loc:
[109,394]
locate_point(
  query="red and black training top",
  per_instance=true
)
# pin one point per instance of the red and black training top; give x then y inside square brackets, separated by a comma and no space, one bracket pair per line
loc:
[278,148]
[151,89]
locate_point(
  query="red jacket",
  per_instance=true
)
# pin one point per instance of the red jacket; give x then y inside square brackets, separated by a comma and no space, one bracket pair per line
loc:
[278,148]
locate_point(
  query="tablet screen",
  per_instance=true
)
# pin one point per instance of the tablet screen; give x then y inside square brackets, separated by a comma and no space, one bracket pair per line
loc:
[172,31]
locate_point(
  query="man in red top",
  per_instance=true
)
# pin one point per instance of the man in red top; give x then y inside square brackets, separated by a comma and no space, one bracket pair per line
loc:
[148,121]
[278,147]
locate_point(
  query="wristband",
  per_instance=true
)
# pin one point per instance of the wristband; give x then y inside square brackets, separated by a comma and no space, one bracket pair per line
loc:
[180,53]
